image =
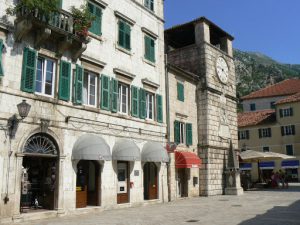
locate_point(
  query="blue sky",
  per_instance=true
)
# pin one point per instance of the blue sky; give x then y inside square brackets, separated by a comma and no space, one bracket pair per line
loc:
[271,27]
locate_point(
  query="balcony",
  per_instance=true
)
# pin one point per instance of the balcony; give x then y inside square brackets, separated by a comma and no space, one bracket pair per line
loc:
[56,28]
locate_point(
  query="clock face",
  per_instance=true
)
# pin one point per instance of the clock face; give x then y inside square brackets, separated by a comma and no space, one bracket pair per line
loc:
[222,70]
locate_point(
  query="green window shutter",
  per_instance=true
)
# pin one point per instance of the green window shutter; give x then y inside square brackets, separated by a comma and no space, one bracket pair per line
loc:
[127,36]
[64,80]
[134,101]
[78,84]
[147,47]
[121,41]
[1,66]
[189,134]
[91,8]
[159,108]
[142,103]
[96,24]
[180,91]
[114,94]
[59,4]
[176,132]
[105,93]
[28,70]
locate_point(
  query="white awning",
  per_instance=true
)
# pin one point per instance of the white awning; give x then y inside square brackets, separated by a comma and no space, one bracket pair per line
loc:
[91,147]
[126,150]
[154,152]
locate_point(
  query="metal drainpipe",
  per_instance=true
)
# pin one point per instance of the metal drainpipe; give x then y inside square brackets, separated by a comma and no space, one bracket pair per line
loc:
[168,123]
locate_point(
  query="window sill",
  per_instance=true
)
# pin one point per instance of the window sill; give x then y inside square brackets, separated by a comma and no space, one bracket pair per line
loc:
[149,62]
[124,50]
[97,37]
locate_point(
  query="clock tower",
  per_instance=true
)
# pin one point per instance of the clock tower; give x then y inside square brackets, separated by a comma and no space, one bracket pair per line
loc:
[203,48]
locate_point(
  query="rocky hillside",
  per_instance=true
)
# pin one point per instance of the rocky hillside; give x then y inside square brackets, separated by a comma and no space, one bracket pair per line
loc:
[255,71]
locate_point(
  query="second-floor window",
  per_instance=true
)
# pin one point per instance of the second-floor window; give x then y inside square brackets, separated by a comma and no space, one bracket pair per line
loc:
[149,4]
[45,76]
[180,91]
[183,133]
[96,11]
[124,35]
[288,130]
[289,149]
[149,48]
[252,107]
[265,132]
[243,134]
[90,89]
[149,106]
[123,98]
[286,112]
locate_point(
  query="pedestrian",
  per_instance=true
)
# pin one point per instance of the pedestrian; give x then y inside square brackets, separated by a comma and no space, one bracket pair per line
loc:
[281,178]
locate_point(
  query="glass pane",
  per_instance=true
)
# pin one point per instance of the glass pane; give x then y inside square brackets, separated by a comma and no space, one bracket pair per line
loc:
[48,89]
[38,86]
[121,175]
[92,100]
[85,89]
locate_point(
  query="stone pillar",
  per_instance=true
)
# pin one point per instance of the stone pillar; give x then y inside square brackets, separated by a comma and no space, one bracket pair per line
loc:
[202,33]
[18,169]
[60,195]
[172,178]
[226,44]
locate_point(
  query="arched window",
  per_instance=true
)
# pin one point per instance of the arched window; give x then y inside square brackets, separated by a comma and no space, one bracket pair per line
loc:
[41,144]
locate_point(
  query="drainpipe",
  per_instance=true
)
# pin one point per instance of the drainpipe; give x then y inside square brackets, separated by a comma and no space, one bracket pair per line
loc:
[168,123]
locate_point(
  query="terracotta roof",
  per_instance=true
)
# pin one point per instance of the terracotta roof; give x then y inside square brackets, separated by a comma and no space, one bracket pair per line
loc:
[255,118]
[286,87]
[292,98]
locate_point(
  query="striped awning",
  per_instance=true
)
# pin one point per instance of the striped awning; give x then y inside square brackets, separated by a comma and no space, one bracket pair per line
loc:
[187,160]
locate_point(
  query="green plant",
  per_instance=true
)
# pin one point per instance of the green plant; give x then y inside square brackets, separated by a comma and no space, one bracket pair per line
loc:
[82,20]
[44,7]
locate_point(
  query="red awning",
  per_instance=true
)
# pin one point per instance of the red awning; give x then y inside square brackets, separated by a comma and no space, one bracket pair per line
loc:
[187,160]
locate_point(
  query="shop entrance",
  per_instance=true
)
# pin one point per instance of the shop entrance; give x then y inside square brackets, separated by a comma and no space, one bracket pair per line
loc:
[87,184]
[183,175]
[150,181]
[39,174]
[123,183]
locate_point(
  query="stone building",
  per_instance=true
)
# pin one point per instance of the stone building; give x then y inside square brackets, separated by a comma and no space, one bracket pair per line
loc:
[96,128]
[202,48]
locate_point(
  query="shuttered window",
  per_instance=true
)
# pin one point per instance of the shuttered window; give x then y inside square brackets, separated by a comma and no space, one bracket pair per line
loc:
[78,85]
[189,134]
[124,35]
[176,132]
[105,92]
[96,11]
[59,4]
[159,108]
[114,95]
[149,4]
[28,70]
[142,104]
[180,91]
[134,101]
[1,64]
[288,130]
[64,81]
[149,48]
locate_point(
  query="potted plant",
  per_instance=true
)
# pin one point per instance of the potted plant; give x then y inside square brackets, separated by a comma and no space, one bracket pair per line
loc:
[82,20]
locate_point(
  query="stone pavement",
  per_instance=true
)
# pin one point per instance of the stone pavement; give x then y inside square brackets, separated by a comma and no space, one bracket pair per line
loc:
[263,207]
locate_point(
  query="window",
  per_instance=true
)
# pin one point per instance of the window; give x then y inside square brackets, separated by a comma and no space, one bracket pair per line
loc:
[180,91]
[289,149]
[96,11]
[1,50]
[149,106]
[90,89]
[265,132]
[45,76]
[124,35]
[149,48]
[266,149]
[288,130]
[179,132]
[252,107]
[287,112]
[243,134]
[272,105]
[123,98]
[149,4]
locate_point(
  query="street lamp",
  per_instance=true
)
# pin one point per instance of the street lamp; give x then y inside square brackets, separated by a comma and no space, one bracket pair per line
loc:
[23,109]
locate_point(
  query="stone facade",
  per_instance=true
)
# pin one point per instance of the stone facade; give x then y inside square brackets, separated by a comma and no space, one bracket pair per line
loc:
[68,122]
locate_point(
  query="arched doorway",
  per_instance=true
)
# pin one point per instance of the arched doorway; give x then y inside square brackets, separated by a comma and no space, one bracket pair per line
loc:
[88,184]
[150,181]
[39,173]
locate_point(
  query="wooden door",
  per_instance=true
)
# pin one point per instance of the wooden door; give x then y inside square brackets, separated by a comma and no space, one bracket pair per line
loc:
[123,183]
[150,181]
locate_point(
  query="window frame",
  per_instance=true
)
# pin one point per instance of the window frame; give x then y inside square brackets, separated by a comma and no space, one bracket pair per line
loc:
[148,4]
[243,134]
[89,74]
[288,130]
[101,9]
[264,148]
[120,101]
[148,56]
[182,133]
[44,74]
[126,48]
[148,95]
[265,132]
[252,107]
[286,112]
[292,148]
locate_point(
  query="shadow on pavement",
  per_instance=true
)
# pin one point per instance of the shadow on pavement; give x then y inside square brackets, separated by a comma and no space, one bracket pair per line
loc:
[279,215]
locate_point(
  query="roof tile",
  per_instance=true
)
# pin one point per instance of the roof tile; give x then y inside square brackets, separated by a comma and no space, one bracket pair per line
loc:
[292,98]
[255,118]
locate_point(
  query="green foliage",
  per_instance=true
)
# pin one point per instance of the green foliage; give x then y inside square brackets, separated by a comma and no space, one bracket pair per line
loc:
[45,7]
[82,19]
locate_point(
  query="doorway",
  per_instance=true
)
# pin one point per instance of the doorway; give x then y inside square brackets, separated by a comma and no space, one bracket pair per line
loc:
[123,183]
[150,181]
[87,184]
[183,176]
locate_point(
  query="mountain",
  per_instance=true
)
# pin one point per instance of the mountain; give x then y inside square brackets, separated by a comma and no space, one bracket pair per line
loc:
[255,70]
